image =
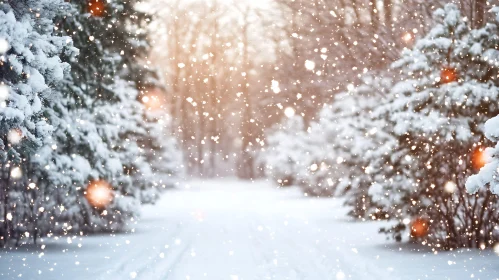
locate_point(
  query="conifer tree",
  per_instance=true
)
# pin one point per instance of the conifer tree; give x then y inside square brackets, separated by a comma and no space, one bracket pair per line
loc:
[30,72]
[437,109]
[284,151]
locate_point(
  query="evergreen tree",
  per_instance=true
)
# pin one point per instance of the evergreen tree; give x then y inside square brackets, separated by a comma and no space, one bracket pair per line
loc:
[106,139]
[284,151]
[445,94]
[485,47]
[30,72]
[67,134]
[343,140]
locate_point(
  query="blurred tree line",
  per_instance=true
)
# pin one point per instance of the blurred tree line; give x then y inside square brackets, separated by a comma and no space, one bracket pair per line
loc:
[231,68]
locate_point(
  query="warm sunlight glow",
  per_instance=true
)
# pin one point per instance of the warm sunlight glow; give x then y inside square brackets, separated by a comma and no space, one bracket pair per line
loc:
[99,194]
[152,102]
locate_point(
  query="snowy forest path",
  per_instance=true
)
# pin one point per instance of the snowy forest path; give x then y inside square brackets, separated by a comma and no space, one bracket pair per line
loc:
[239,230]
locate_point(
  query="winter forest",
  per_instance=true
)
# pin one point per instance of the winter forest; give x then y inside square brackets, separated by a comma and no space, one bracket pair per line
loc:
[239,140]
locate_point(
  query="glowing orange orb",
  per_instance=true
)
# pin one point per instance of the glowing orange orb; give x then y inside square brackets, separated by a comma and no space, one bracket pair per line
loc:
[99,194]
[96,7]
[478,159]
[448,75]
[420,227]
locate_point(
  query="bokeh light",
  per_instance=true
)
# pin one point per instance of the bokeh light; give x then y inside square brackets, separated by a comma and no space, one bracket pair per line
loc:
[99,194]
[96,7]
[309,65]
[450,187]
[478,159]
[275,86]
[289,112]
[152,102]
[496,248]
[14,136]
[314,167]
[407,37]
[448,75]
[420,227]
[153,98]
[16,172]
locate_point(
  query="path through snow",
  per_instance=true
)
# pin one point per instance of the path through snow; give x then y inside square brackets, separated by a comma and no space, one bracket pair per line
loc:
[228,229]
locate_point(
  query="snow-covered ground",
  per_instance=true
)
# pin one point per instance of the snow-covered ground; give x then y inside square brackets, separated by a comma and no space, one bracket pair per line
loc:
[228,229]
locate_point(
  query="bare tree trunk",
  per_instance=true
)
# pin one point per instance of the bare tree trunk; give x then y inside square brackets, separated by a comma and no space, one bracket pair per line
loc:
[480,7]
[388,12]
[246,166]
[213,129]
[374,16]
[356,9]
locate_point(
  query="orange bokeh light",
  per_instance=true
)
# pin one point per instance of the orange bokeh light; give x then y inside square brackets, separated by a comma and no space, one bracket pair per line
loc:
[96,7]
[152,102]
[99,194]
[448,75]
[420,227]
[478,159]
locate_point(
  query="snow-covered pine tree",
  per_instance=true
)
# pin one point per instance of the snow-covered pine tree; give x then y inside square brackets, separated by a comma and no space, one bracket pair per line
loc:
[284,151]
[162,153]
[313,172]
[486,42]
[101,124]
[344,141]
[438,107]
[30,72]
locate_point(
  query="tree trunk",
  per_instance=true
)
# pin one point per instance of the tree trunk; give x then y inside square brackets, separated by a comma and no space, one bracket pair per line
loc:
[246,160]
[480,10]
[374,16]
[213,129]
[388,12]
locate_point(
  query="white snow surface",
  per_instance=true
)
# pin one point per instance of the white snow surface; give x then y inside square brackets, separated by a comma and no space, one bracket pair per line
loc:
[234,230]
